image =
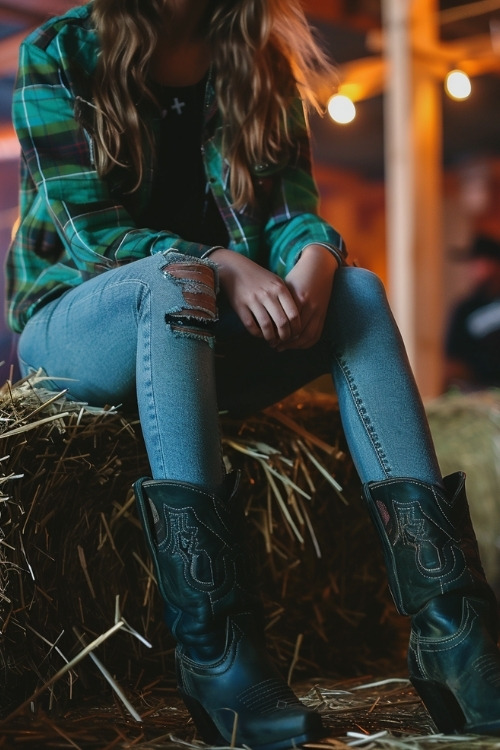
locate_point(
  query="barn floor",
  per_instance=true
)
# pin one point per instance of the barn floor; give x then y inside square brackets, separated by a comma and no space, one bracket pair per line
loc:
[366,713]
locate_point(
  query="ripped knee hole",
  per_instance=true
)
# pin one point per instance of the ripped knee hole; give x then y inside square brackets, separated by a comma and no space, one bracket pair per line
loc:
[198,291]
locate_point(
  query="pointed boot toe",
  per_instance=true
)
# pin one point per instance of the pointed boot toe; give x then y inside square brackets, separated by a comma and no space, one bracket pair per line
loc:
[436,577]
[454,665]
[197,541]
[243,697]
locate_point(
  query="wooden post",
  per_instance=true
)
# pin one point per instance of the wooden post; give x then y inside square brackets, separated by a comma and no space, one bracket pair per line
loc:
[399,167]
[428,239]
[413,185]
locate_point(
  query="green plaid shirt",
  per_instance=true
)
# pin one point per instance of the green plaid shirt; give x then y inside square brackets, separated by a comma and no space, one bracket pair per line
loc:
[74,225]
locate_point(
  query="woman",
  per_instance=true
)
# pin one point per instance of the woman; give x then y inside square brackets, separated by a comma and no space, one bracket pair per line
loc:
[170,255]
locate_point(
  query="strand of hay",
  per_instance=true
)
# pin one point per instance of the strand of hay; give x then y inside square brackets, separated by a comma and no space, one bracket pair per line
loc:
[381,714]
[71,545]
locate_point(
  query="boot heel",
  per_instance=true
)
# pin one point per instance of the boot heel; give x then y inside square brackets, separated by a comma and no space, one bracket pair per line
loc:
[204,724]
[441,705]
[222,665]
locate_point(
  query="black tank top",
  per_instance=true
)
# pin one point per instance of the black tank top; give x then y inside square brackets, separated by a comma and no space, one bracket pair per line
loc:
[182,201]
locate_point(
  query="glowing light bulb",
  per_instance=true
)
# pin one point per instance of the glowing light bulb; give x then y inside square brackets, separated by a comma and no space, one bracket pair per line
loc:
[457,84]
[341,109]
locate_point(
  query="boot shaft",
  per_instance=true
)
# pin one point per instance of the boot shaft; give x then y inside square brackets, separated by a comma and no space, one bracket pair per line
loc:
[197,543]
[428,541]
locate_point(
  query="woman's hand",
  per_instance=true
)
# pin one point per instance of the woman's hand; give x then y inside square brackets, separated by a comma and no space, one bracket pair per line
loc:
[264,303]
[310,282]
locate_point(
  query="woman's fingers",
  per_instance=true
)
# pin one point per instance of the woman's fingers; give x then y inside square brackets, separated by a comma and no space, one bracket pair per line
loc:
[262,300]
[277,316]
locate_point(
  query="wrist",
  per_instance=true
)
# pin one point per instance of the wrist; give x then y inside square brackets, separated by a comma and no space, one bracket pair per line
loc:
[321,254]
[211,250]
[217,253]
[327,249]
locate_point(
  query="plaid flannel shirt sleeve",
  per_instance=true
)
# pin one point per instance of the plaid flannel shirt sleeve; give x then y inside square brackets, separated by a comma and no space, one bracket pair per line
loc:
[70,226]
[294,222]
[96,231]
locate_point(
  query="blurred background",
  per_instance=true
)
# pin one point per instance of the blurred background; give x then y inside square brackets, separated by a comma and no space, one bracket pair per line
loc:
[409,181]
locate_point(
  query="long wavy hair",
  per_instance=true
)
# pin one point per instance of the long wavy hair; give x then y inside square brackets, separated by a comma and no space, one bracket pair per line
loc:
[262,53]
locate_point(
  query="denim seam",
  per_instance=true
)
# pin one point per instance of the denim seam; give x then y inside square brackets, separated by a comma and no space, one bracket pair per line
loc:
[364,416]
[151,401]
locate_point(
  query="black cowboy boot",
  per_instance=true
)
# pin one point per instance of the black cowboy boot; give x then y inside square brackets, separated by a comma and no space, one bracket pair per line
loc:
[435,575]
[225,677]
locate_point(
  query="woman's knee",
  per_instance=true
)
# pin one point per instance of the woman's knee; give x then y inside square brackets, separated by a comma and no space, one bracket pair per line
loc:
[182,287]
[359,302]
[196,280]
[177,289]
[360,284]
[359,292]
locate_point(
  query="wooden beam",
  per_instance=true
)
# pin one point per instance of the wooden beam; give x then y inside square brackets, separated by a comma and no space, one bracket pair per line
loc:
[9,144]
[9,52]
[35,9]
[325,10]
[363,78]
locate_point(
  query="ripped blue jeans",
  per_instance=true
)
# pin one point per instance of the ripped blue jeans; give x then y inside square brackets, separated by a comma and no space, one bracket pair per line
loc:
[145,335]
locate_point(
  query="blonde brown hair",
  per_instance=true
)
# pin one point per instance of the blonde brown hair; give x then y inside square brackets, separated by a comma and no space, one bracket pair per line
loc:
[262,52]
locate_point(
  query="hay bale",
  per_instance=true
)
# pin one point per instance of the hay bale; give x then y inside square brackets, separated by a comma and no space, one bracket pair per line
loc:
[73,565]
[466,431]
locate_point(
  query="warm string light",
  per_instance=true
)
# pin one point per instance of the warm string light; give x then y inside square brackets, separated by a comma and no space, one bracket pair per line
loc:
[457,84]
[341,109]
